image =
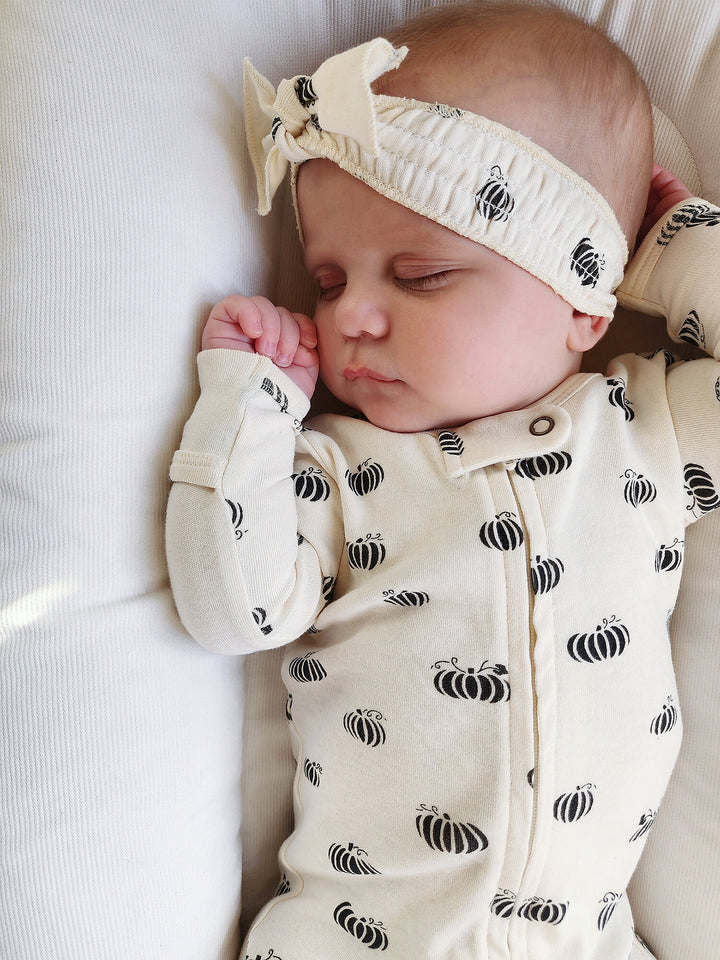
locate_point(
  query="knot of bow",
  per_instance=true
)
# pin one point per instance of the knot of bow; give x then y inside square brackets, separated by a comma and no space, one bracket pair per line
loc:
[304,117]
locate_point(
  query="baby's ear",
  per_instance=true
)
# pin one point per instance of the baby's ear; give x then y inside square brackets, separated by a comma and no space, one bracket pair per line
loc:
[585,331]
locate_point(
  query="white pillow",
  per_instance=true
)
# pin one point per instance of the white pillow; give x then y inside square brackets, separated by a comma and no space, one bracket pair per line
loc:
[126,209]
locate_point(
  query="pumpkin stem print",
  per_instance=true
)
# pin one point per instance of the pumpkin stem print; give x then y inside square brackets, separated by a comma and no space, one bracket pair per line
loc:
[366,552]
[366,478]
[406,598]
[236,518]
[493,200]
[486,683]
[502,533]
[571,807]
[608,640]
[307,668]
[609,902]
[366,726]
[644,824]
[368,931]
[665,721]
[503,903]
[350,858]
[638,489]
[446,835]
[312,771]
[311,484]
[618,399]
[543,911]
[700,489]
[545,574]
[669,557]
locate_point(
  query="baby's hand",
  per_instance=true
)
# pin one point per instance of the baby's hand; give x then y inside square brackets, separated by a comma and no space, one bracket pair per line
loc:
[255,325]
[665,191]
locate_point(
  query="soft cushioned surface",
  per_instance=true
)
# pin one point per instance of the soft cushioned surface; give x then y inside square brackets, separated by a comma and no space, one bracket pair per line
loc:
[126,209]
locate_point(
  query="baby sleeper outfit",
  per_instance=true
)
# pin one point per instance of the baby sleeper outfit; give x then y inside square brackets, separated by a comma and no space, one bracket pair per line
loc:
[482,701]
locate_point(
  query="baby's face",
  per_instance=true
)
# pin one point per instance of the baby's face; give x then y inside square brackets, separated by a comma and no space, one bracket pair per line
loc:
[418,327]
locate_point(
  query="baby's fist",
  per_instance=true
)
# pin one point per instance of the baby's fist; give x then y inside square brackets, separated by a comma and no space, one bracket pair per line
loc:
[255,325]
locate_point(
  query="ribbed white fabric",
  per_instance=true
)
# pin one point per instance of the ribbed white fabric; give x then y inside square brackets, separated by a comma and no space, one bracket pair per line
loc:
[126,208]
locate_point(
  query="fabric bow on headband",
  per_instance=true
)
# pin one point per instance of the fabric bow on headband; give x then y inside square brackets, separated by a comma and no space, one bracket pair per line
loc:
[470,174]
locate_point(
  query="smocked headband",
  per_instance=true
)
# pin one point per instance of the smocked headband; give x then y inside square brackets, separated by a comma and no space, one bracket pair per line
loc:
[472,175]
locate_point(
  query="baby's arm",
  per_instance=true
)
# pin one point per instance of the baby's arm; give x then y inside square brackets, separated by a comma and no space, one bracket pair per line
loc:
[675,272]
[241,579]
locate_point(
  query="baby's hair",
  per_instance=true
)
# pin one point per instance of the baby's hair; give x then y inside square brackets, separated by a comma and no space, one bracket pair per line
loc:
[602,126]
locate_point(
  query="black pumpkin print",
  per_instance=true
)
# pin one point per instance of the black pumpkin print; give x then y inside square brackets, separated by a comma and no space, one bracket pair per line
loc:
[288,708]
[236,518]
[366,552]
[665,720]
[618,399]
[446,835]
[260,616]
[545,574]
[312,771]
[587,262]
[544,466]
[451,113]
[305,92]
[609,902]
[638,489]
[284,886]
[717,389]
[502,533]
[307,668]
[669,558]
[531,778]
[487,683]
[644,824]
[368,931]
[503,903]
[366,726]
[368,477]
[692,330]
[311,484]
[689,215]
[276,393]
[571,807]
[328,588]
[700,488]
[406,598]
[271,955]
[451,443]
[543,911]
[350,859]
[607,641]
[493,200]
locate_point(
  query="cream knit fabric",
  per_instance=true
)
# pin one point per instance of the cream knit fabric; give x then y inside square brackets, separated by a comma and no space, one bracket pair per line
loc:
[484,696]
[474,176]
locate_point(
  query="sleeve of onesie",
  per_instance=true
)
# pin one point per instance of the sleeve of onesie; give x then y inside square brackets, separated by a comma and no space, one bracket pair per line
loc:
[676,274]
[242,577]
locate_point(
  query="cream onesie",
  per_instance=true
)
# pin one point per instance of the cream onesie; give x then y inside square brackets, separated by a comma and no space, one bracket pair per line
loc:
[482,700]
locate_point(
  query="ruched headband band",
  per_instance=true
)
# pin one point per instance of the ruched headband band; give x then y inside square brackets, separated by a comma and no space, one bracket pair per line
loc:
[470,174]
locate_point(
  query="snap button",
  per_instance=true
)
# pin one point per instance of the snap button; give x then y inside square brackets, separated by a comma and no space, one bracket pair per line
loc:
[541,426]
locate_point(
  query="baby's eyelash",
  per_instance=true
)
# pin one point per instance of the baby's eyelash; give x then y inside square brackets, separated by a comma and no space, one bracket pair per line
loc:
[431,281]
[330,291]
